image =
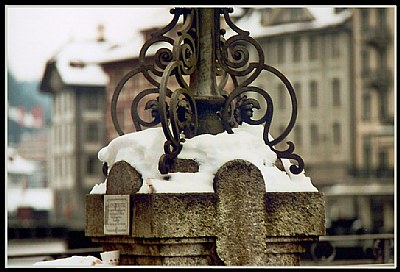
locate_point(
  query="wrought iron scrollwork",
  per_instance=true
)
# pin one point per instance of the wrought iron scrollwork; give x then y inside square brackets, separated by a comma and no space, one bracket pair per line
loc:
[234,59]
[243,112]
[176,109]
[180,117]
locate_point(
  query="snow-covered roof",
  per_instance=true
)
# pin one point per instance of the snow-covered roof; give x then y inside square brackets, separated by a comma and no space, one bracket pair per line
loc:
[324,16]
[123,51]
[76,64]
[36,198]
[18,165]
[130,49]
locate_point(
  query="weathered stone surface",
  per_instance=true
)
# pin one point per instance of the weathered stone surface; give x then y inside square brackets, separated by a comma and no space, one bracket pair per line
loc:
[174,215]
[240,214]
[285,251]
[94,215]
[295,214]
[185,166]
[123,179]
[192,251]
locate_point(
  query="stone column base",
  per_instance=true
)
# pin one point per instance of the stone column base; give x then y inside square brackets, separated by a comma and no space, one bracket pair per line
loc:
[196,251]
[285,251]
[239,225]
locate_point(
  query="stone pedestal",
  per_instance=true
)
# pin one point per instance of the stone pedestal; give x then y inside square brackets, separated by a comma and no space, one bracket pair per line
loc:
[239,225]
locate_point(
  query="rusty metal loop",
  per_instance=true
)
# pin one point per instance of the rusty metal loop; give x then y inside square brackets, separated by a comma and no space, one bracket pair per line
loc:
[137,120]
[169,118]
[228,110]
[114,100]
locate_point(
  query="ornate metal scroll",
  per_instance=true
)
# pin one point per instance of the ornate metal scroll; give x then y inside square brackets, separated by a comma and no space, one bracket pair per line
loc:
[234,59]
[176,110]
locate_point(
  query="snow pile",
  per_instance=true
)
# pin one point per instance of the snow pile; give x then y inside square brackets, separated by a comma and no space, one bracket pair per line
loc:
[78,261]
[143,149]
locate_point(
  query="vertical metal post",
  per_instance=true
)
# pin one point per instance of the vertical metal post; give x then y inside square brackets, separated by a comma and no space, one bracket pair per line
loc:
[203,81]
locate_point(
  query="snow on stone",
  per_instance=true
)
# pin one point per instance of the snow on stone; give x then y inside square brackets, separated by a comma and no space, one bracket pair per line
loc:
[143,149]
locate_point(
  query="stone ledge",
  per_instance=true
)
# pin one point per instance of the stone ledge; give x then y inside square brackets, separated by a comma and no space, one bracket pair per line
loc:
[194,214]
[295,214]
[190,251]
[246,224]
[160,215]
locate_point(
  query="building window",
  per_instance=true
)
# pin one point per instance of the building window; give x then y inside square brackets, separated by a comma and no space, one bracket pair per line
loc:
[297,91]
[281,51]
[382,17]
[367,155]
[335,45]
[296,14]
[383,105]
[313,47]
[296,49]
[71,132]
[92,165]
[56,103]
[62,167]
[68,166]
[92,132]
[92,102]
[366,107]
[314,134]
[298,135]
[281,96]
[337,134]
[383,159]
[365,62]
[313,94]
[56,168]
[269,50]
[364,19]
[335,92]
[62,135]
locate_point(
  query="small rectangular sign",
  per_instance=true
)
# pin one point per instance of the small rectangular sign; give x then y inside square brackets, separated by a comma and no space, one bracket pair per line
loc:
[116,214]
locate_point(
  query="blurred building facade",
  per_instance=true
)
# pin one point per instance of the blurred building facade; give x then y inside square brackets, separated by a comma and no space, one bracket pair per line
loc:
[373,115]
[373,47]
[29,198]
[340,62]
[315,56]
[77,130]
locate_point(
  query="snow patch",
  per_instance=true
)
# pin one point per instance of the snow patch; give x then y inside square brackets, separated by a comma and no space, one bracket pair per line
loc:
[143,149]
